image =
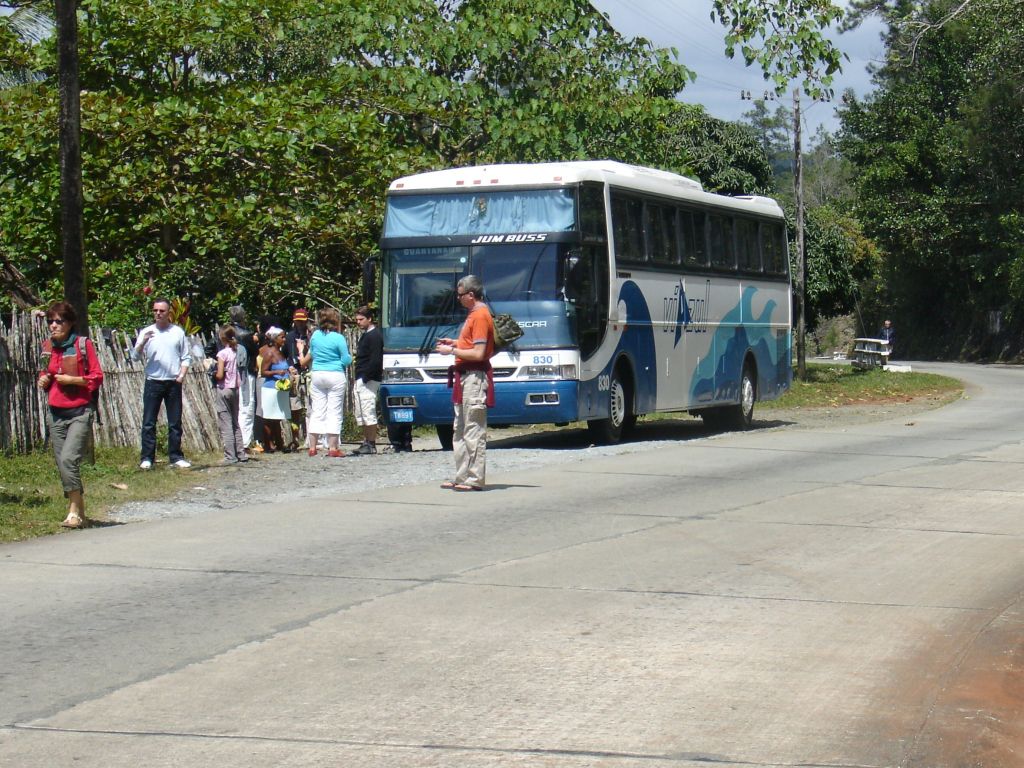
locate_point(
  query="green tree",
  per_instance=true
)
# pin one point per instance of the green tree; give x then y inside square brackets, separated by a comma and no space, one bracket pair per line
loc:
[939,174]
[241,150]
[724,156]
[842,265]
[785,38]
[773,129]
[828,176]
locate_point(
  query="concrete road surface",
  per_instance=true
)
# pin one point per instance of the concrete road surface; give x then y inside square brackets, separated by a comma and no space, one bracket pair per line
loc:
[839,597]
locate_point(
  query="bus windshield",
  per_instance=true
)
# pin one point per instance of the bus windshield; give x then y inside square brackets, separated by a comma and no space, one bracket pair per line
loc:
[480,212]
[524,279]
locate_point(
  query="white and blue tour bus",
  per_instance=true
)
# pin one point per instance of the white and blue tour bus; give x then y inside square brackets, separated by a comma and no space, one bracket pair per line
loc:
[638,292]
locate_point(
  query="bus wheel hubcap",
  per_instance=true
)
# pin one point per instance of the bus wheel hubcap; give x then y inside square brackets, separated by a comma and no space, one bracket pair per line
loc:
[747,395]
[618,404]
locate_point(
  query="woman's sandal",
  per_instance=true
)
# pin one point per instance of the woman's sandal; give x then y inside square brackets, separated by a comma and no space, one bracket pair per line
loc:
[461,487]
[448,485]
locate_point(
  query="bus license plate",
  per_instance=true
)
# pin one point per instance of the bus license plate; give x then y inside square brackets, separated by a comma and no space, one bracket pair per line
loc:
[401,415]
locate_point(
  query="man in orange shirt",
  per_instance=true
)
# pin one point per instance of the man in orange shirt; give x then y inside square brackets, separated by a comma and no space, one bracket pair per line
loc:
[472,382]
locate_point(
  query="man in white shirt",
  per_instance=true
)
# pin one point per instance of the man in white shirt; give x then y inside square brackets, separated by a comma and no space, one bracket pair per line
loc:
[165,350]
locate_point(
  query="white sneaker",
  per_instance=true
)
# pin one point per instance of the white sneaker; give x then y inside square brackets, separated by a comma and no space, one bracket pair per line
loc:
[182,464]
[145,464]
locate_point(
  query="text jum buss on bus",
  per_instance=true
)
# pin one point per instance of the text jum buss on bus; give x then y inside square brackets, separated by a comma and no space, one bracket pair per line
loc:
[638,292]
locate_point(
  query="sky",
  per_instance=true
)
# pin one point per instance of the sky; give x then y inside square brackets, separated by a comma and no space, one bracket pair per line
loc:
[686,26]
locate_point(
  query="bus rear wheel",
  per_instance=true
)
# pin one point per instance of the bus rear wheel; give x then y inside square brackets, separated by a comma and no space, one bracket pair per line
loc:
[621,417]
[739,416]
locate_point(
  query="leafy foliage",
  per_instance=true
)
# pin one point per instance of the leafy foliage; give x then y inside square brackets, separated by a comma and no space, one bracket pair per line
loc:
[240,150]
[784,37]
[842,264]
[726,157]
[940,176]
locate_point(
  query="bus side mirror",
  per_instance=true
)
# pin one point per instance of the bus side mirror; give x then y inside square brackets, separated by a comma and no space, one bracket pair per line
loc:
[370,280]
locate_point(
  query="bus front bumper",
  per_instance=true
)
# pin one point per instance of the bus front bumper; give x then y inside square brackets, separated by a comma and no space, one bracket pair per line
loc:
[516,402]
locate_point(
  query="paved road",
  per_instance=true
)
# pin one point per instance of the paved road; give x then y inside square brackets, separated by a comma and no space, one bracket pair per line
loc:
[831,597]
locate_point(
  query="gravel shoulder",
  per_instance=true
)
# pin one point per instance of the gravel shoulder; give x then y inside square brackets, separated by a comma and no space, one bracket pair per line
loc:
[298,475]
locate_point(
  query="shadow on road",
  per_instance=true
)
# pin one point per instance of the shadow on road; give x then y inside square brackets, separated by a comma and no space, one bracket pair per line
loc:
[573,438]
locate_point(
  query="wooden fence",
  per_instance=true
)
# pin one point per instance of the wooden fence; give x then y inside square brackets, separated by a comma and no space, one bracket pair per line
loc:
[23,424]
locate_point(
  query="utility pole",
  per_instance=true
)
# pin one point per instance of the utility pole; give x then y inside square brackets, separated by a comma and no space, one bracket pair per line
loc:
[801,282]
[70,150]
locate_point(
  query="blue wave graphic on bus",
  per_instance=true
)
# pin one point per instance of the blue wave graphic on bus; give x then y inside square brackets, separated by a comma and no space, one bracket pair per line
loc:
[683,317]
[637,342]
[717,376]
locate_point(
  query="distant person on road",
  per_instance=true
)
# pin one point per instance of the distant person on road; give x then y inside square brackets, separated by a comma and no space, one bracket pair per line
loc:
[165,349]
[226,400]
[328,357]
[70,375]
[369,371]
[888,333]
[472,382]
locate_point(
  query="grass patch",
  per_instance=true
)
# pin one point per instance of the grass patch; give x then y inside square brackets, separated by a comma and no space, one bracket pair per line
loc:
[33,504]
[834,386]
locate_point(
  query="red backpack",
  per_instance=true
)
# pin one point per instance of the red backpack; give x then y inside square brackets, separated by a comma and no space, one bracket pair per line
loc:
[83,369]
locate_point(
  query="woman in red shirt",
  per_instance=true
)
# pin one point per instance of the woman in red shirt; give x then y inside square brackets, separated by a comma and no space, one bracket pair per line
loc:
[70,381]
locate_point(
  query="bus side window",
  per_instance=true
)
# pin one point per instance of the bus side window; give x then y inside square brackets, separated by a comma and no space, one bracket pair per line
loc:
[747,245]
[773,246]
[661,235]
[628,228]
[593,224]
[723,253]
[691,238]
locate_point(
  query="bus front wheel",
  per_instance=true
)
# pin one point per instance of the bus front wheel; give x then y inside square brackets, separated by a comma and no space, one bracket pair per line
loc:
[621,417]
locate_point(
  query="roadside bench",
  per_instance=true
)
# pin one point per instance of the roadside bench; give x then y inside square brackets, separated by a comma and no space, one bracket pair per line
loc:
[870,353]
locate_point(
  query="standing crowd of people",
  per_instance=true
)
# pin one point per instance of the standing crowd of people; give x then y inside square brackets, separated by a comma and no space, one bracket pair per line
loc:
[270,387]
[269,383]
[282,390]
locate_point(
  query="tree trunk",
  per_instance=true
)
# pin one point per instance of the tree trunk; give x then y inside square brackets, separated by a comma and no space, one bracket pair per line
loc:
[70,127]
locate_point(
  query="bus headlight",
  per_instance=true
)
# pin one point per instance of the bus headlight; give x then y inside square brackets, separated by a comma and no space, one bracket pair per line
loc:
[550,371]
[401,375]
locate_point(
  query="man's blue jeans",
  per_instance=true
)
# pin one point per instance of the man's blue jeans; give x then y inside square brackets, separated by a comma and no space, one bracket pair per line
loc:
[155,392]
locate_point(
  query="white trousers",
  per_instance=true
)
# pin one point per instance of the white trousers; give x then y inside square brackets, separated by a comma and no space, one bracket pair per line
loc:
[326,402]
[246,405]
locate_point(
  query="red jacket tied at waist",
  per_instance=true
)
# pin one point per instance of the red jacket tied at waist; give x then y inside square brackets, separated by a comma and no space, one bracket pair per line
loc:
[455,381]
